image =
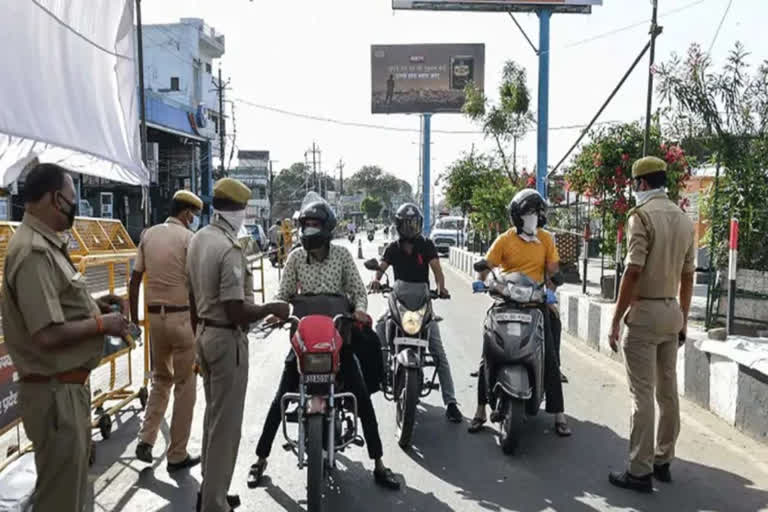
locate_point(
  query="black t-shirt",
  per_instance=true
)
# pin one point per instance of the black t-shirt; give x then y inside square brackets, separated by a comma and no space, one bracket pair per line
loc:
[414,267]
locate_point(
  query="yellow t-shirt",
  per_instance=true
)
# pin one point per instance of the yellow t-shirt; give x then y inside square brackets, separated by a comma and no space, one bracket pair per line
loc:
[513,254]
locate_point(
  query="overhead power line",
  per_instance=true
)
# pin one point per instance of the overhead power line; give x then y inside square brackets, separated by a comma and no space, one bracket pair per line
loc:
[719,26]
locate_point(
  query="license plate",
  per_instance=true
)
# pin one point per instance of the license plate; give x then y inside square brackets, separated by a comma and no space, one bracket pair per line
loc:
[320,378]
[513,317]
[412,342]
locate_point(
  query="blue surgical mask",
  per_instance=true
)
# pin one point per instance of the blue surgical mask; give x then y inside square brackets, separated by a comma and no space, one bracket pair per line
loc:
[195,224]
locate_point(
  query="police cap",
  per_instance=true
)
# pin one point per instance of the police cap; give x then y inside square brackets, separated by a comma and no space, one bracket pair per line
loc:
[187,197]
[233,190]
[648,165]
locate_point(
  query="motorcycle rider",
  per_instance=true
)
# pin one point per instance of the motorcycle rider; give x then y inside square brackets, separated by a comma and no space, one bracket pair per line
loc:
[321,268]
[527,249]
[411,257]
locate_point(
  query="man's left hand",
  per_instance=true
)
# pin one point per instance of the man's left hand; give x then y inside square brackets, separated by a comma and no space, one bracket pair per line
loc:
[444,293]
[107,302]
[362,317]
[613,338]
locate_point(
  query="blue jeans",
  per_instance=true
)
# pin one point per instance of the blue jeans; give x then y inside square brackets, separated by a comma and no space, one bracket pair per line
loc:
[438,353]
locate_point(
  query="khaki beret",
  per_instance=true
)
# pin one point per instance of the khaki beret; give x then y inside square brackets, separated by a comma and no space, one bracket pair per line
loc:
[187,197]
[648,165]
[232,189]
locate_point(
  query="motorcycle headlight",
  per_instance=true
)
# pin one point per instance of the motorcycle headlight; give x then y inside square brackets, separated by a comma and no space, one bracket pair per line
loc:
[317,363]
[412,320]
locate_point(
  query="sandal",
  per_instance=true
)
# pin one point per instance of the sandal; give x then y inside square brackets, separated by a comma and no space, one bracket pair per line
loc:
[255,474]
[562,430]
[476,425]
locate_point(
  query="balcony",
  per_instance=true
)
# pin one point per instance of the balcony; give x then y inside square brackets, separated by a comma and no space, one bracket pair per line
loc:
[211,42]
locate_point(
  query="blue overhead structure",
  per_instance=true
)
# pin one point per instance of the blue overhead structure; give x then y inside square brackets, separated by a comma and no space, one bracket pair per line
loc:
[542,131]
[426,180]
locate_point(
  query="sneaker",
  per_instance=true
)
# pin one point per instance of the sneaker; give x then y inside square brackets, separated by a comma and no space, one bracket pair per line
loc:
[627,480]
[453,413]
[144,452]
[662,473]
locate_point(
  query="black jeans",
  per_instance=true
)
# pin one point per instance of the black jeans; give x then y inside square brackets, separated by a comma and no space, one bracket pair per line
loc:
[553,387]
[353,382]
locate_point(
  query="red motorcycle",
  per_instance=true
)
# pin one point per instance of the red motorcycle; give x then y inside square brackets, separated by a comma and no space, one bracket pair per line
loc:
[326,415]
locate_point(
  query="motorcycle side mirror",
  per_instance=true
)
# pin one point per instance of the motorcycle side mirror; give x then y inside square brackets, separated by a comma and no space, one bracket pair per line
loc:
[372,264]
[481,266]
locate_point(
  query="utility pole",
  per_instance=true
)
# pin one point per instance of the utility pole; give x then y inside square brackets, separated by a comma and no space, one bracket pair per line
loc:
[316,161]
[221,87]
[340,167]
[271,196]
[143,104]
[655,31]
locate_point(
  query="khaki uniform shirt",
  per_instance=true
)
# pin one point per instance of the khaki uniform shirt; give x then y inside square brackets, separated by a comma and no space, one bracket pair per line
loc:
[217,271]
[660,238]
[162,254]
[41,287]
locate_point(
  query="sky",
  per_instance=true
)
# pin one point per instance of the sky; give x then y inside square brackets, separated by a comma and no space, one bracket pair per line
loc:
[313,57]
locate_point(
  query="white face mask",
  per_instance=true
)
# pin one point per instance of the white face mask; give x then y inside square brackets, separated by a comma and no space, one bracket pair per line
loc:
[530,224]
[195,224]
[642,196]
[310,231]
[235,219]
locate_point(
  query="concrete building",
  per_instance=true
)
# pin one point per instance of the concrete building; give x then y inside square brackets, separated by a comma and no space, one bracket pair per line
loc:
[253,170]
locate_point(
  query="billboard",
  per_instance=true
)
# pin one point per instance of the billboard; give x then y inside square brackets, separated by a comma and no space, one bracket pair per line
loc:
[424,78]
[579,6]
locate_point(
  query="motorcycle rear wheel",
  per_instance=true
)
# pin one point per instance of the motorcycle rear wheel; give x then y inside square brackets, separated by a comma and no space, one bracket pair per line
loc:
[315,463]
[407,397]
[512,425]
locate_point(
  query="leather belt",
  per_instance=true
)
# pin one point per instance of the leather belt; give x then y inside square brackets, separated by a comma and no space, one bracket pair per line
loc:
[219,325]
[163,308]
[657,298]
[78,376]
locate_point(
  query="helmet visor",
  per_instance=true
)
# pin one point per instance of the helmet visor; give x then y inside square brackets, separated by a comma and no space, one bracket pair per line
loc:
[409,228]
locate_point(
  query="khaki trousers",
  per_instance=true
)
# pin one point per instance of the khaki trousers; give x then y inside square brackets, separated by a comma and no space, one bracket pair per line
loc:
[173,363]
[223,358]
[650,355]
[56,419]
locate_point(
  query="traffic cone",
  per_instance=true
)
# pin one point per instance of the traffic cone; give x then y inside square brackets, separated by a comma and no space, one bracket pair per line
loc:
[360,249]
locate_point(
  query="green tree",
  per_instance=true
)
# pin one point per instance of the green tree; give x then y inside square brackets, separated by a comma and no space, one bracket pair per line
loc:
[510,119]
[462,177]
[490,199]
[365,180]
[288,189]
[371,206]
[724,116]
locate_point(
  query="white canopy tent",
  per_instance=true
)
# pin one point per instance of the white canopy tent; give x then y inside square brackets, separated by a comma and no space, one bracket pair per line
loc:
[69,93]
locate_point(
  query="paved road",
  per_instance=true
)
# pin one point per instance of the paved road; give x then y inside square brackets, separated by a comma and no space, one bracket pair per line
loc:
[448,469]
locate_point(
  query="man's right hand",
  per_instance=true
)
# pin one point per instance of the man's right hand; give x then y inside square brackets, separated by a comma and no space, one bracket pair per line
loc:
[375,286]
[281,310]
[115,324]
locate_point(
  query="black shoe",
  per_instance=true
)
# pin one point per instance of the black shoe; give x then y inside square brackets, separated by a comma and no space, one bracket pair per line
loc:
[626,480]
[185,464]
[233,500]
[453,413]
[255,474]
[662,473]
[144,452]
[386,478]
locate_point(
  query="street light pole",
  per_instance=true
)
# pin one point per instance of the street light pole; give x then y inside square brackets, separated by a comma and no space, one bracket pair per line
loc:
[655,31]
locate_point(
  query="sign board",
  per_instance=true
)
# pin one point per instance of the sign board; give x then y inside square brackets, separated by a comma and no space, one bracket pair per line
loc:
[576,6]
[9,389]
[424,78]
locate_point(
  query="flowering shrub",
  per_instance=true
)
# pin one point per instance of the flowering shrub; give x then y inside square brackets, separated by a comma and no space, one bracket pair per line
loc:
[602,171]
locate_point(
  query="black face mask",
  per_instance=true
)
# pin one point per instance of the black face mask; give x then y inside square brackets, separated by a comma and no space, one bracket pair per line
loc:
[71,214]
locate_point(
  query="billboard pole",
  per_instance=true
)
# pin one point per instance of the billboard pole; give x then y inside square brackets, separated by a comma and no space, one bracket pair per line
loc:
[425,187]
[542,135]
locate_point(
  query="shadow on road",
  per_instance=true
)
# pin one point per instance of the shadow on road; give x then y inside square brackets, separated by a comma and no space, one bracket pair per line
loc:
[565,474]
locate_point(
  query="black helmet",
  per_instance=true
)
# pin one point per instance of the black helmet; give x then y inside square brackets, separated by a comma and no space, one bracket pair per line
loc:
[320,211]
[409,221]
[526,202]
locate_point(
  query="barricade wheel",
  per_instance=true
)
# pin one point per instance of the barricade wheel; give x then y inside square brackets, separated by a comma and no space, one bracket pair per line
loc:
[105,426]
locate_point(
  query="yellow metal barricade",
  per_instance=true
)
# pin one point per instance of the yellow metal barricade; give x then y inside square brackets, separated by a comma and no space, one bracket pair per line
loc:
[256,262]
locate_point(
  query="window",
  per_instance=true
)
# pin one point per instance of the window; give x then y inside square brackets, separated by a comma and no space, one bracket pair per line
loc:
[208,67]
[174,83]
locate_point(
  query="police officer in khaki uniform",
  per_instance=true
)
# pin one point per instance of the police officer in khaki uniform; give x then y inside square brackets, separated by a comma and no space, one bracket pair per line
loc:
[162,255]
[55,335]
[222,308]
[660,266]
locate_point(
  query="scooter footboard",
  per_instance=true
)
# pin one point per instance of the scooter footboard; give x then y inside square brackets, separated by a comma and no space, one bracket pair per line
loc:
[514,381]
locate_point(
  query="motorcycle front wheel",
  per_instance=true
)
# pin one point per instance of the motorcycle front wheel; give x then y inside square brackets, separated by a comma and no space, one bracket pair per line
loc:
[315,463]
[512,426]
[407,397]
